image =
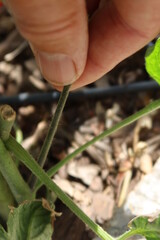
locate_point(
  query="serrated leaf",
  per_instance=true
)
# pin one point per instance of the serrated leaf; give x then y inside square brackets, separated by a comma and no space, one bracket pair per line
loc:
[152,61]
[30,221]
[149,227]
[3,234]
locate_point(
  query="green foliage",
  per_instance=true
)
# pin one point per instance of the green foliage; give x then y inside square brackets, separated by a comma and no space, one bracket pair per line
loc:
[152,61]
[29,221]
[147,226]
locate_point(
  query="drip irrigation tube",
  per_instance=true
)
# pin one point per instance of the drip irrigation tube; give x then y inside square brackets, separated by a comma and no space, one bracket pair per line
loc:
[84,93]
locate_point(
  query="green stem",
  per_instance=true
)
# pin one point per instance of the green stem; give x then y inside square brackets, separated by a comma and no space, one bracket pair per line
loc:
[7,118]
[128,234]
[19,139]
[27,160]
[18,133]
[52,130]
[6,198]
[18,186]
[151,107]
[53,126]
[8,168]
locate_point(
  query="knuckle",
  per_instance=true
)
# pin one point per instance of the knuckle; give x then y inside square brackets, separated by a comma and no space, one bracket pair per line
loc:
[50,29]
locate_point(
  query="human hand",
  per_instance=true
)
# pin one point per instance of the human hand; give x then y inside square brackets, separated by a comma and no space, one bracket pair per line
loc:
[69,49]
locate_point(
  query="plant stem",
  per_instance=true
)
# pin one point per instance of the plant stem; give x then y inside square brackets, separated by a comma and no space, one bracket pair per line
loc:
[29,162]
[6,198]
[18,133]
[128,234]
[19,139]
[10,172]
[53,126]
[7,118]
[8,168]
[52,130]
[151,107]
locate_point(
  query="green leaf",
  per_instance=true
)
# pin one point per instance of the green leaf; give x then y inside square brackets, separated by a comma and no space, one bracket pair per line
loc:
[3,234]
[30,221]
[148,227]
[152,61]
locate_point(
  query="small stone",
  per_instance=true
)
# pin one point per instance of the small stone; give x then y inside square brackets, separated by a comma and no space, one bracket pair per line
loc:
[97,184]
[103,206]
[104,173]
[84,172]
[65,185]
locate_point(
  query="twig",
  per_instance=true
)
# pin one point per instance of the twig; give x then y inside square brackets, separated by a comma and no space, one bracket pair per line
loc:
[7,43]
[12,55]
[125,186]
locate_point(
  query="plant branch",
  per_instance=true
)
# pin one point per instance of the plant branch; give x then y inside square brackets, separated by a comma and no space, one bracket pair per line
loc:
[29,162]
[52,130]
[151,107]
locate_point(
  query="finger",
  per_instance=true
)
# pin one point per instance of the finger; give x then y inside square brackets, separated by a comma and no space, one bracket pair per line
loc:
[117,30]
[58,34]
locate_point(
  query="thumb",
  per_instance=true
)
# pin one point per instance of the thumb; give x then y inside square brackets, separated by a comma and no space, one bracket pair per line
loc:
[58,35]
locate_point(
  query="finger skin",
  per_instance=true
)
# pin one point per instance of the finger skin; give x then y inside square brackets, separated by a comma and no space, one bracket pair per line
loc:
[53,26]
[118,29]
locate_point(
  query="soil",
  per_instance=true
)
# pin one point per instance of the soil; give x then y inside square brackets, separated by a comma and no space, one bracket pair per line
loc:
[94,179]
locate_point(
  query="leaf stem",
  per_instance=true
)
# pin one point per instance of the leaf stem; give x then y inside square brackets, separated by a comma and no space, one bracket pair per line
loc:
[29,162]
[128,234]
[52,130]
[10,172]
[151,107]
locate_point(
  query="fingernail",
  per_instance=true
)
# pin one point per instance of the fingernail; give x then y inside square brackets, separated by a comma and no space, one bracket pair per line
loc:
[58,69]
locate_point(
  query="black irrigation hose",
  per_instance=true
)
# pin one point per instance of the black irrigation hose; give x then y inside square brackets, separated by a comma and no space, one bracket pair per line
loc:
[85,93]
